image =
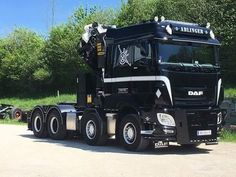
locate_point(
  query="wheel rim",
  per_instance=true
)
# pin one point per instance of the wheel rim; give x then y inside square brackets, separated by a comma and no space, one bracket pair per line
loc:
[54,125]
[129,133]
[18,115]
[91,129]
[37,123]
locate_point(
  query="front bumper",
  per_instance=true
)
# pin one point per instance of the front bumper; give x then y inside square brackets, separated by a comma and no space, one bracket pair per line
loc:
[192,126]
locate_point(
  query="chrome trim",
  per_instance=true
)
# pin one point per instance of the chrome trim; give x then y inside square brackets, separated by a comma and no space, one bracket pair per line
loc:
[129,133]
[54,120]
[218,90]
[147,132]
[111,123]
[142,78]
[71,121]
[37,129]
[90,129]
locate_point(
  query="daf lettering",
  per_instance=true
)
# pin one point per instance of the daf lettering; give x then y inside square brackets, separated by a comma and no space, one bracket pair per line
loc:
[195,93]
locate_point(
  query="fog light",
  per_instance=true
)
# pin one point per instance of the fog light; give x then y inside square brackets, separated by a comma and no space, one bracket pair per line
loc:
[219,118]
[166,119]
[168,131]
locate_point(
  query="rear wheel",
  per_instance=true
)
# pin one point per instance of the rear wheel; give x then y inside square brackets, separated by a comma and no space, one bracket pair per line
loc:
[56,128]
[38,126]
[130,134]
[93,129]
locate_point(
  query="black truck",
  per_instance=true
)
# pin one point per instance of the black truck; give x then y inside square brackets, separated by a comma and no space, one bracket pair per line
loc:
[158,81]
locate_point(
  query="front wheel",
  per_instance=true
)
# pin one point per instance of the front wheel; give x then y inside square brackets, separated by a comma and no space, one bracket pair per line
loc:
[130,134]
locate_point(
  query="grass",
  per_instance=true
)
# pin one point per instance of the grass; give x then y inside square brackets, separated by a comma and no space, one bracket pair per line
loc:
[11,122]
[228,136]
[230,93]
[29,103]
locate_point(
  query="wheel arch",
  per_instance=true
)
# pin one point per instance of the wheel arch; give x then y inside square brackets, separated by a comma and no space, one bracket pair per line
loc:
[93,110]
[40,108]
[62,110]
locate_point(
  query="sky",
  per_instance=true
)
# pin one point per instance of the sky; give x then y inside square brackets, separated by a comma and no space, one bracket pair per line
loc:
[37,14]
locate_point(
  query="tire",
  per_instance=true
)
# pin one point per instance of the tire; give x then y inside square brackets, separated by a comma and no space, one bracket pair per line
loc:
[56,128]
[38,126]
[93,130]
[16,113]
[130,134]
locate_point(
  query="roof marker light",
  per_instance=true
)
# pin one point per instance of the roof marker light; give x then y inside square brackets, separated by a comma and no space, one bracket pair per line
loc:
[212,35]
[169,30]
[162,18]
[208,25]
[156,19]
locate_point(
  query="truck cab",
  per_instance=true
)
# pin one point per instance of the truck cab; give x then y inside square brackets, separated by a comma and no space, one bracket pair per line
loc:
[169,73]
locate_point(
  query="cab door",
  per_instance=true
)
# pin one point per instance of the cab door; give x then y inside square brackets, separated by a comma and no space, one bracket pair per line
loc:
[143,71]
[122,67]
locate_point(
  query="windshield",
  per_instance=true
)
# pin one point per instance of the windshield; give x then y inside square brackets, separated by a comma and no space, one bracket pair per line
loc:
[183,52]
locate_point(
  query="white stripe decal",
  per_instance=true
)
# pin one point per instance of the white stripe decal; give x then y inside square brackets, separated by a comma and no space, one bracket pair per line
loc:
[218,91]
[142,78]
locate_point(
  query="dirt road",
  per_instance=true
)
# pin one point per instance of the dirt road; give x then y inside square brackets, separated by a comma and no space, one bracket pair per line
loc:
[23,155]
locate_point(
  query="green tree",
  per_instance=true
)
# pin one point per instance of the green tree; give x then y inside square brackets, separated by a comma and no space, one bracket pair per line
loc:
[20,54]
[60,52]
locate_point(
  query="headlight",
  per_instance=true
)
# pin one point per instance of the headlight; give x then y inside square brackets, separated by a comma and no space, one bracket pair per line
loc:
[166,119]
[219,118]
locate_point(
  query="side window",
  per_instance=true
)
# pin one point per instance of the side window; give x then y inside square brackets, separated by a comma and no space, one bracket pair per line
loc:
[123,55]
[142,52]
[108,66]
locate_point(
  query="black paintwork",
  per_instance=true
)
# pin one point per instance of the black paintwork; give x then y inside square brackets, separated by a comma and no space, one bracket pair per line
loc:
[141,95]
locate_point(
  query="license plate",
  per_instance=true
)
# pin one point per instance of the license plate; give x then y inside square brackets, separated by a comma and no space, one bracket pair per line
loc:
[203,132]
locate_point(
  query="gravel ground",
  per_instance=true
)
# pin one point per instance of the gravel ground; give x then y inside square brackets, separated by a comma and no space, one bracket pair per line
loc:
[23,155]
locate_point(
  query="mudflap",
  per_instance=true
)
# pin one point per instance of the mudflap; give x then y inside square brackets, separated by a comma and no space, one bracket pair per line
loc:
[181,127]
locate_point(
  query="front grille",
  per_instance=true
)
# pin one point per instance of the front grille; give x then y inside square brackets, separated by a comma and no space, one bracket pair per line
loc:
[202,120]
[181,97]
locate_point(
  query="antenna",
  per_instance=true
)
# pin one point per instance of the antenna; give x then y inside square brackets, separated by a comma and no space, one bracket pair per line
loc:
[53,12]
